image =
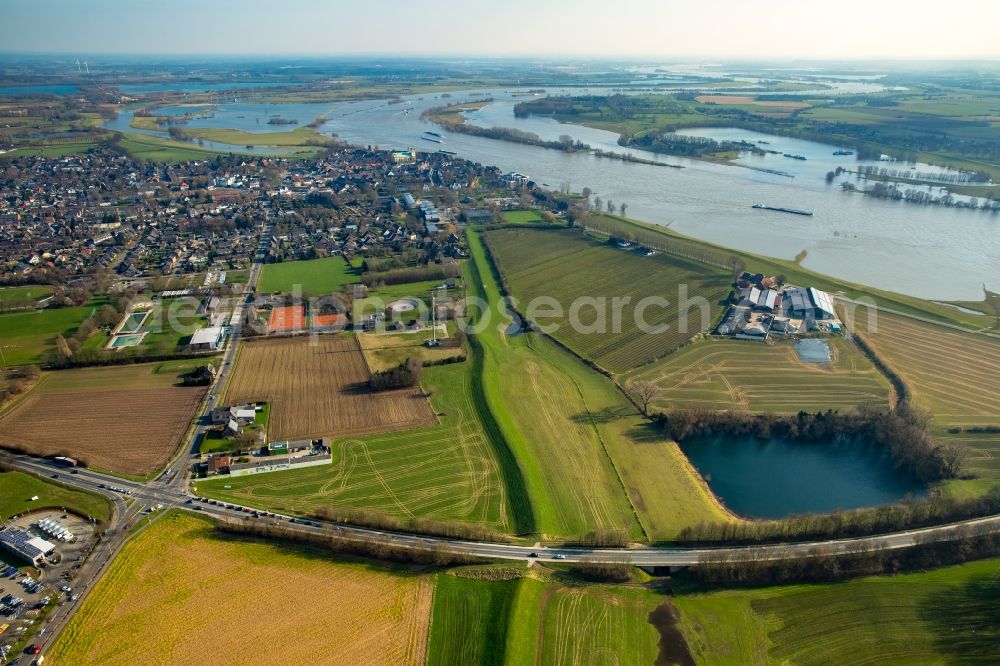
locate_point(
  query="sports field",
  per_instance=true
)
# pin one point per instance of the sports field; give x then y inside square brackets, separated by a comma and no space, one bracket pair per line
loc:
[719,374]
[588,458]
[127,419]
[21,296]
[946,616]
[445,472]
[315,277]
[287,319]
[317,388]
[195,597]
[25,335]
[564,265]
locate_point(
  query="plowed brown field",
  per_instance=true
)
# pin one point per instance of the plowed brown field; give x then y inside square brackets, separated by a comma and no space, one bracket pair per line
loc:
[126,419]
[317,388]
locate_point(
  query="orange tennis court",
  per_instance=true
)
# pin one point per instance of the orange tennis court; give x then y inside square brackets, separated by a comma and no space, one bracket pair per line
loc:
[287,319]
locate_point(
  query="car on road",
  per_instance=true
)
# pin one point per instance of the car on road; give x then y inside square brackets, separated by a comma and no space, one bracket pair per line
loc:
[532,554]
[189,500]
[560,556]
[33,649]
[54,476]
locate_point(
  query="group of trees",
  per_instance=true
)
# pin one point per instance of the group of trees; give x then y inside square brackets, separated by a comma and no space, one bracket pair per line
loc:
[373,278]
[70,350]
[404,375]
[882,190]
[564,143]
[18,381]
[902,432]
[685,146]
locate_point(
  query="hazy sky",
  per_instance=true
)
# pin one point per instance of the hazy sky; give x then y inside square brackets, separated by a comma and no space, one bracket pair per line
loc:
[821,29]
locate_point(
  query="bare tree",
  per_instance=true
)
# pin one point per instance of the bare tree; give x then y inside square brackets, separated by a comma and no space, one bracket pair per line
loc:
[611,206]
[645,392]
[623,208]
[597,203]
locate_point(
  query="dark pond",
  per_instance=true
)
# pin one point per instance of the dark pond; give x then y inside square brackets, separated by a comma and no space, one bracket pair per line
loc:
[777,478]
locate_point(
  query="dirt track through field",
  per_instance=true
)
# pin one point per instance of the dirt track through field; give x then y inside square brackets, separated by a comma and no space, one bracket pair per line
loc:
[317,388]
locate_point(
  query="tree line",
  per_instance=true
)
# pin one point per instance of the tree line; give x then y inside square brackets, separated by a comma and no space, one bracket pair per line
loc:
[902,432]
[747,567]
[840,524]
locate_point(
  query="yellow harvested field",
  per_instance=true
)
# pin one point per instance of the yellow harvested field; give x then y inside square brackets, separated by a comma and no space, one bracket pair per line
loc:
[317,388]
[180,594]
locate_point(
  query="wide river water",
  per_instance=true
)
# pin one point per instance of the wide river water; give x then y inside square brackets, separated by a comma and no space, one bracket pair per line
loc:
[926,251]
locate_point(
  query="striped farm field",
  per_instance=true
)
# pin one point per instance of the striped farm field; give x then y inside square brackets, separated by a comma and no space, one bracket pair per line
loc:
[596,625]
[445,472]
[952,374]
[564,265]
[538,620]
[180,594]
[316,387]
[719,374]
[945,616]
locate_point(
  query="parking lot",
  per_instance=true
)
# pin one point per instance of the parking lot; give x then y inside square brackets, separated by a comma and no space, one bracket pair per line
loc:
[28,593]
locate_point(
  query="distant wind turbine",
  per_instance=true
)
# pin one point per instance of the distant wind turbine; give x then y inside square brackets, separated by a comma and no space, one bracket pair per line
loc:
[86,67]
[78,70]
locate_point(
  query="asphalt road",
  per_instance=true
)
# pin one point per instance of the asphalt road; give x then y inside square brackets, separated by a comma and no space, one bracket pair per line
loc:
[169,496]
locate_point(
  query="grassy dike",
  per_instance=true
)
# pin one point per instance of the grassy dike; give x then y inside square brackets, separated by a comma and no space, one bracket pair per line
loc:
[564,421]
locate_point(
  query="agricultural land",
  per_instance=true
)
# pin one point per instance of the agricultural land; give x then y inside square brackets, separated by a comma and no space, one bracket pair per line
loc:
[937,617]
[953,375]
[540,620]
[317,387]
[551,263]
[739,375]
[17,489]
[127,419]
[447,471]
[190,593]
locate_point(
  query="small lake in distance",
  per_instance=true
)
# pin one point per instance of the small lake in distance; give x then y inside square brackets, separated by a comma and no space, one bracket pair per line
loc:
[778,478]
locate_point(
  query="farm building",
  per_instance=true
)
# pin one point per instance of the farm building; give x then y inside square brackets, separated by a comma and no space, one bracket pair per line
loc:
[210,338]
[20,543]
[760,299]
[810,303]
